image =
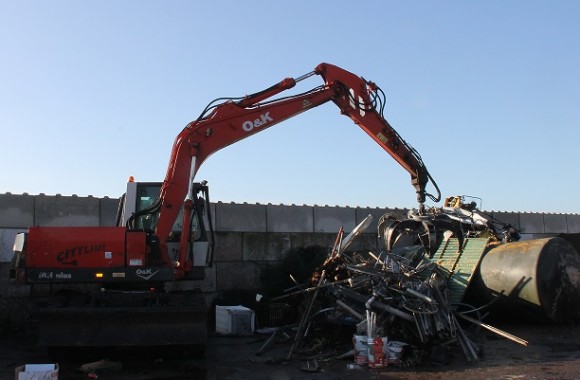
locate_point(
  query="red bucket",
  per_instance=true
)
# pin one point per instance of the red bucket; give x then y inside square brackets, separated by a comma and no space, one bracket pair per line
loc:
[377,352]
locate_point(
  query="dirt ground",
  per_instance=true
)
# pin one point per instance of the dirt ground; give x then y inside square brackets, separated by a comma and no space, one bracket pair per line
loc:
[553,352]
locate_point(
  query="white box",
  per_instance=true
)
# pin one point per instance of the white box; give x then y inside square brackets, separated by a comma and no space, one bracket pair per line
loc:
[36,372]
[234,320]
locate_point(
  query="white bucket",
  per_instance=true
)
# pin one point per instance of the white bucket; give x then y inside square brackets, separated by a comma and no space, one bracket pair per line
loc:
[361,350]
[395,351]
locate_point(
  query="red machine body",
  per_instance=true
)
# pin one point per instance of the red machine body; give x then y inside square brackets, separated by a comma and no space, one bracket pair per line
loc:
[84,247]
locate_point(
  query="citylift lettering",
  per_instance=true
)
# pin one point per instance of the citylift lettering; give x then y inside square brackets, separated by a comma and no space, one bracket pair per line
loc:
[248,125]
[69,256]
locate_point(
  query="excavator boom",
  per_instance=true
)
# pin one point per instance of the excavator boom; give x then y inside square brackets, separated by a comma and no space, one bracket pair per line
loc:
[235,119]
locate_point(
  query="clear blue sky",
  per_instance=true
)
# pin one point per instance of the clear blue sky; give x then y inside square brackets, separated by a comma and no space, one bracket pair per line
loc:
[487,91]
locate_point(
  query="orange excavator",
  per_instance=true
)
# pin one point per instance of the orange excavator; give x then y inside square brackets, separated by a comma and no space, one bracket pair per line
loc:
[111,286]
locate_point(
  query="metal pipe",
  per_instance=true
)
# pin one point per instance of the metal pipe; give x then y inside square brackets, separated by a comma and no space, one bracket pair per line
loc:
[494,329]
[349,309]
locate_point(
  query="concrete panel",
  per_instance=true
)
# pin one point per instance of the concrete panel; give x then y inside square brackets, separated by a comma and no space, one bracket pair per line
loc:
[108,211]
[532,223]
[240,217]
[266,247]
[8,289]
[573,222]
[278,246]
[511,218]
[209,284]
[212,207]
[228,246]
[555,223]
[254,246]
[61,210]
[313,239]
[289,218]
[366,242]
[237,275]
[377,213]
[11,298]
[330,219]
[15,305]
[210,299]
[16,211]
[7,243]
[524,236]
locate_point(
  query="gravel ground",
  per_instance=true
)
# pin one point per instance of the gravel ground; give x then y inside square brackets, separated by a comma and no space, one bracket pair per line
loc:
[553,352]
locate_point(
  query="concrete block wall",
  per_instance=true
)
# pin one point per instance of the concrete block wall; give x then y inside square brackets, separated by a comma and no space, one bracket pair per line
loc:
[18,212]
[536,225]
[249,237]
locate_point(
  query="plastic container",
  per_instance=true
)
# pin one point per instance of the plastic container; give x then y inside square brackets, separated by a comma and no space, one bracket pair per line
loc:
[377,352]
[234,320]
[361,350]
[373,353]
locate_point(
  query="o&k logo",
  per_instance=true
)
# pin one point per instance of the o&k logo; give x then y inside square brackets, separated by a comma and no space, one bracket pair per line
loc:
[248,125]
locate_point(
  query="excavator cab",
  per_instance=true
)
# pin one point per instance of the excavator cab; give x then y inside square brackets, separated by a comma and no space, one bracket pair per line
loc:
[139,211]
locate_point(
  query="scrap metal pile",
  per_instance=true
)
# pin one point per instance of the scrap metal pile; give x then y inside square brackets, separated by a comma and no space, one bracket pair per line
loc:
[402,293]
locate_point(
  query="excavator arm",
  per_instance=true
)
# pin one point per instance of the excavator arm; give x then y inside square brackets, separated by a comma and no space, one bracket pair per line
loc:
[226,121]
